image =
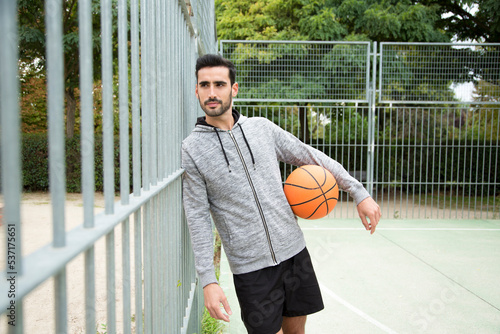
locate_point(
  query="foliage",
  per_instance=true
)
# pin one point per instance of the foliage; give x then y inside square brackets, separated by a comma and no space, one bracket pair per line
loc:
[382,21]
[484,119]
[35,162]
[328,20]
[347,126]
[32,52]
[400,123]
[33,104]
[211,325]
[423,166]
[468,19]
[35,168]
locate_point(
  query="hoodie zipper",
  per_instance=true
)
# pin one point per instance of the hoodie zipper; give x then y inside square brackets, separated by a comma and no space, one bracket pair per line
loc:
[261,212]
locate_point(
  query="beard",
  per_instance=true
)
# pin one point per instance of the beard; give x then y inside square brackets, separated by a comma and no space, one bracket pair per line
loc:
[218,111]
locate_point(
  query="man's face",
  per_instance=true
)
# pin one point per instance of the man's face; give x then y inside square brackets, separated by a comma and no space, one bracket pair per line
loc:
[214,90]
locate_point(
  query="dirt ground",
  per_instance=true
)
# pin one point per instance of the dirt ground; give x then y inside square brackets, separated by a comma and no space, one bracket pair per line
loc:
[36,232]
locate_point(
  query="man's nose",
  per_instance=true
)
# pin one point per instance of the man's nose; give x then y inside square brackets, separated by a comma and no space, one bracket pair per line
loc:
[211,92]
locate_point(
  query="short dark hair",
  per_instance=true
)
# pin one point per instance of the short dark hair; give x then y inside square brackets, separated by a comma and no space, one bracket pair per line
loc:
[211,60]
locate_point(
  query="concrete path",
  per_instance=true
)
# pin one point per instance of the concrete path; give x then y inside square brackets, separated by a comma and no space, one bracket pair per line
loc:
[411,276]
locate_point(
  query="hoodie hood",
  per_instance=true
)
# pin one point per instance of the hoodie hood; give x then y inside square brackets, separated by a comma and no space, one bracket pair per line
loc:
[203,126]
[203,121]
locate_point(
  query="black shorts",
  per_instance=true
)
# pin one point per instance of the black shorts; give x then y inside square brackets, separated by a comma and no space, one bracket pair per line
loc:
[289,289]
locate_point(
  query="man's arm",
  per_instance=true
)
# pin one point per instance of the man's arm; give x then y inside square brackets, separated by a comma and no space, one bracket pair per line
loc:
[368,208]
[291,150]
[214,297]
[196,207]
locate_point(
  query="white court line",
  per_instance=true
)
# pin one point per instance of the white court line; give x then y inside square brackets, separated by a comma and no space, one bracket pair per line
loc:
[398,229]
[355,309]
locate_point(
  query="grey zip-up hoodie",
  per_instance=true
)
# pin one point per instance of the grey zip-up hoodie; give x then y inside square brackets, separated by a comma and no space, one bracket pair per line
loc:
[235,176]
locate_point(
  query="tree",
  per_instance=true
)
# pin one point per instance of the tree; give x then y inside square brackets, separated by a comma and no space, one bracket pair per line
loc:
[33,99]
[32,48]
[484,119]
[328,20]
[318,72]
[475,20]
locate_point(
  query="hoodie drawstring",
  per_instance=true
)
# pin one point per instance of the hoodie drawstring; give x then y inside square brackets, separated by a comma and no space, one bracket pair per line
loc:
[223,150]
[246,142]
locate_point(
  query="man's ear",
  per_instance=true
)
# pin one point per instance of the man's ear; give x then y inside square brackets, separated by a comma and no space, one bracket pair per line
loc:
[196,91]
[234,89]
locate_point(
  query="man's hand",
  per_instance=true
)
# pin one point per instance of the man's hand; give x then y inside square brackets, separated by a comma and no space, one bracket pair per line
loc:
[368,208]
[214,296]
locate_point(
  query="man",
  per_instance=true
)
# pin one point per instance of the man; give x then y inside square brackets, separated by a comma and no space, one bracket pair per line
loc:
[232,173]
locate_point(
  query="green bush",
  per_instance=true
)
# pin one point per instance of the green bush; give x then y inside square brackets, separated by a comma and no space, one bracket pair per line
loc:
[425,166]
[416,166]
[35,163]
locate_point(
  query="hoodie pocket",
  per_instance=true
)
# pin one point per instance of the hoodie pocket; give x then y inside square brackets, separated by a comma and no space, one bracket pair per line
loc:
[224,231]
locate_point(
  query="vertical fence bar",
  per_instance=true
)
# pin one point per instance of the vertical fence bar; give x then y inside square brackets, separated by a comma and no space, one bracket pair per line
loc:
[155,286]
[126,276]
[124,155]
[136,97]
[57,175]
[87,109]
[87,149]
[497,146]
[163,236]
[107,104]
[11,153]
[146,153]
[136,160]
[108,156]
[414,181]
[145,90]
[10,128]
[153,161]
[110,283]
[61,302]
[371,120]
[123,100]
[178,29]
[162,160]
[169,289]
[55,101]
[148,318]
[162,73]
[139,315]
[90,318]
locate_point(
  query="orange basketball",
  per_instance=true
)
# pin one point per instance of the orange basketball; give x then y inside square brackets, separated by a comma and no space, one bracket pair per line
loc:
[311,191]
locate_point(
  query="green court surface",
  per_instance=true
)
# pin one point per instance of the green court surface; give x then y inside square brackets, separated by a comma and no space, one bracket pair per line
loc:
[411,276]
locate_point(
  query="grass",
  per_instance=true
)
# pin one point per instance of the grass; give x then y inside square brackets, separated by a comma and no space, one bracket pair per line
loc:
[210,325]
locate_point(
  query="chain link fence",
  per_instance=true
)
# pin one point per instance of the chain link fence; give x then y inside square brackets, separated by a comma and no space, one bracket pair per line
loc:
[417,123]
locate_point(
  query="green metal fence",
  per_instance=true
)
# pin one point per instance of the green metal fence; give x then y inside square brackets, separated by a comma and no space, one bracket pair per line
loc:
[417,123]
[158,43]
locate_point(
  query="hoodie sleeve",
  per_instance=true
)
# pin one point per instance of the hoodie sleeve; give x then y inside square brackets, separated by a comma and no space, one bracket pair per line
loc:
[196,207]
[291,150]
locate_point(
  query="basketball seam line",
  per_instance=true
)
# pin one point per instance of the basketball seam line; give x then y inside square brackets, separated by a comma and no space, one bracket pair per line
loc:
[326,200]
[312,199]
